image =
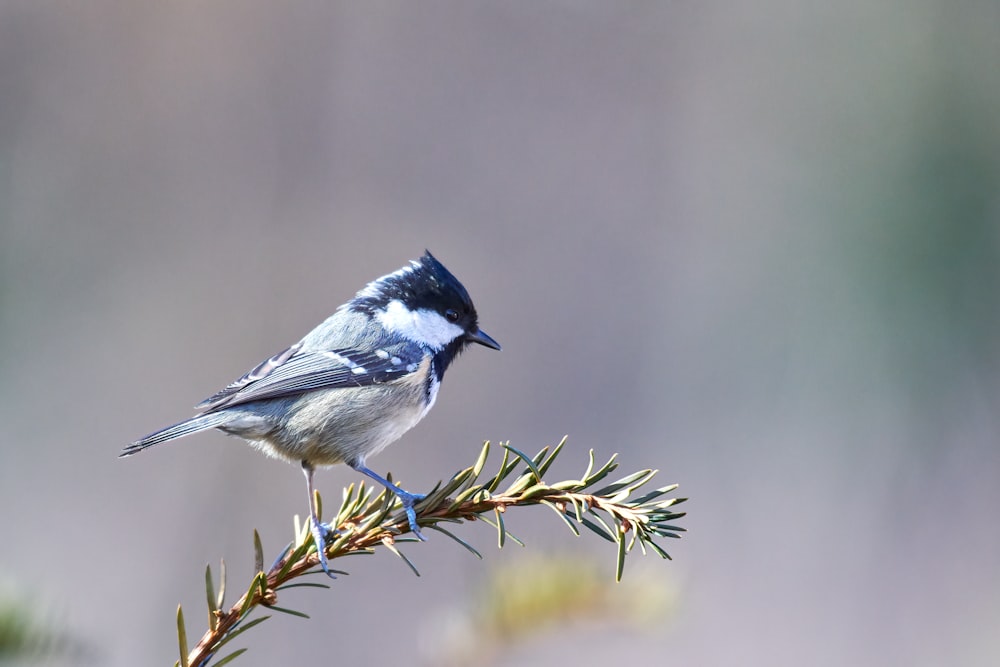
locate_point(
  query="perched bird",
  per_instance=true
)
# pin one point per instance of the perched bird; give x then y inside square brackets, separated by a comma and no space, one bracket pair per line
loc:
[353,385]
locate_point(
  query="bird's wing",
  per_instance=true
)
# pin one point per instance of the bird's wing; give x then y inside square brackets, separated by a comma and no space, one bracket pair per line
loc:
[294,372]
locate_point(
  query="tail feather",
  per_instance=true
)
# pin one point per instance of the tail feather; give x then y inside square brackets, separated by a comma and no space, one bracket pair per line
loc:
[186,427]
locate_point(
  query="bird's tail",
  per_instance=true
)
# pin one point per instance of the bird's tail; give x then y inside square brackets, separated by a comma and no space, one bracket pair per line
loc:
[187,427]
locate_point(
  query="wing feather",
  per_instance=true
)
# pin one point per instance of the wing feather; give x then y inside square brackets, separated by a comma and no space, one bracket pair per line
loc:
[261,370]
[293,372]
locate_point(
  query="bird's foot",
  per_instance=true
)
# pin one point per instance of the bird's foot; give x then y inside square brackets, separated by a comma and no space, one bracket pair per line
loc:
[408,500]
[322,533]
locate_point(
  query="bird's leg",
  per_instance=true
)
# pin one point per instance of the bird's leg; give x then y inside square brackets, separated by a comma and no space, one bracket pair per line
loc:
[321,532]
[405,497]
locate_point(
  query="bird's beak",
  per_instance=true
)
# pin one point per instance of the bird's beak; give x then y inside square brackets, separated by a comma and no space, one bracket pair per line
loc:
[483,338]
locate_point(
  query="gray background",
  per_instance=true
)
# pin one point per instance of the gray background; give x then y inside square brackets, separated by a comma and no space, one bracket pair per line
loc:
[753,245]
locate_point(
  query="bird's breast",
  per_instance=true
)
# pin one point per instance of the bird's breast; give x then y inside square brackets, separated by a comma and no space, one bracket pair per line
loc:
[334,425]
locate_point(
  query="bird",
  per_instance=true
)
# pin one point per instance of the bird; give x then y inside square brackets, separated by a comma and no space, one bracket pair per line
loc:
[352,386]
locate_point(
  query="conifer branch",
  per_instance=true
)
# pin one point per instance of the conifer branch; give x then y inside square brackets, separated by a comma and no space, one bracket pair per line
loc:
[366,522]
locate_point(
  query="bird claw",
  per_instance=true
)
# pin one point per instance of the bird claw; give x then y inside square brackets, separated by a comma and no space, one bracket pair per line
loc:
[408,500]
[322,533]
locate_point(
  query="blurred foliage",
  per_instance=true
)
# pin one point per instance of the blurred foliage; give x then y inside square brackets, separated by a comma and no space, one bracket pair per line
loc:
[524,599]
[521,601]
[24,635]
[923,226]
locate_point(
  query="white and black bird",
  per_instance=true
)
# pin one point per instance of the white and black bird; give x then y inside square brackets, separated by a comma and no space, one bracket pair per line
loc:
[353,385]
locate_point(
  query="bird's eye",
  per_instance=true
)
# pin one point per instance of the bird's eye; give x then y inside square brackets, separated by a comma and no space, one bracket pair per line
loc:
[451,315]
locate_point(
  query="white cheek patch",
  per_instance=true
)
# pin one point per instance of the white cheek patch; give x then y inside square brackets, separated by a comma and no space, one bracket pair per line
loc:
[421,326]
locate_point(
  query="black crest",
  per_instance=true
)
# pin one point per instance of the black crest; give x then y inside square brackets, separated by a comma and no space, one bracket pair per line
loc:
[424,284]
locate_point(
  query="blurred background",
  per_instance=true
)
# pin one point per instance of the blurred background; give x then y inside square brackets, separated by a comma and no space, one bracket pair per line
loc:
[754,246]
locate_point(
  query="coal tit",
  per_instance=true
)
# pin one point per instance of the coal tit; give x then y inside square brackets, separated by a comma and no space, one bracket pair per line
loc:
[353,385]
